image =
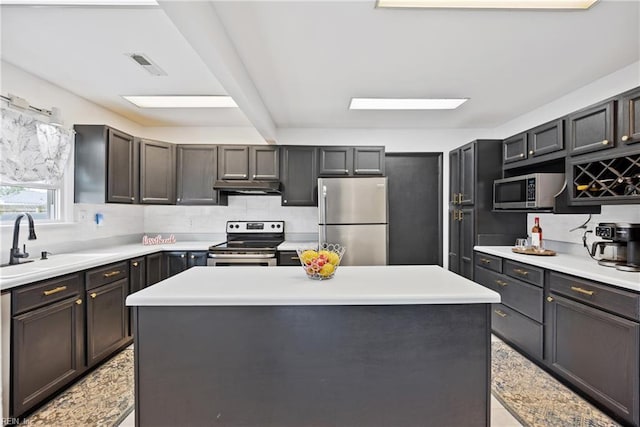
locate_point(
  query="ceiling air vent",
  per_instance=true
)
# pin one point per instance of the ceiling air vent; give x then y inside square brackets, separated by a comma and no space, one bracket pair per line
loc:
[146,63]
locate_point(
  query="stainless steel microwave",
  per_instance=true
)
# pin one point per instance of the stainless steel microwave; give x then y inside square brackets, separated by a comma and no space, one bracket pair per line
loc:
[533,191]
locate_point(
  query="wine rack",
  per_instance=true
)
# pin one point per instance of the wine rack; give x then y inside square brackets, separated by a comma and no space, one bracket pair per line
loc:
[615,179]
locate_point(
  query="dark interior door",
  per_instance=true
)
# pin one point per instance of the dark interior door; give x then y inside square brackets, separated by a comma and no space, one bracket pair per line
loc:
[415,208]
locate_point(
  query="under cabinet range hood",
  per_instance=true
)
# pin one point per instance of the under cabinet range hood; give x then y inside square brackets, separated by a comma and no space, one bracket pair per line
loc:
[247,187]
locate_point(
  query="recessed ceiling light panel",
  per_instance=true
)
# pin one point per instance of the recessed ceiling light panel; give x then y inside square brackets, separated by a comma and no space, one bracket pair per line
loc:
[180,101]
[488,4]
[406,103]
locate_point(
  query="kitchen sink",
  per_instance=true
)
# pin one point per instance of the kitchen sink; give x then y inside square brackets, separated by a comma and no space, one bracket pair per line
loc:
[54,261]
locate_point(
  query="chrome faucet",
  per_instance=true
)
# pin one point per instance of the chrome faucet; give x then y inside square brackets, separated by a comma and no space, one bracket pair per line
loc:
[14,257]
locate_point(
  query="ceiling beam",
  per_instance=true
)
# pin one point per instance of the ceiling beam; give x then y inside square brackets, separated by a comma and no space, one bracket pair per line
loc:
[201,26]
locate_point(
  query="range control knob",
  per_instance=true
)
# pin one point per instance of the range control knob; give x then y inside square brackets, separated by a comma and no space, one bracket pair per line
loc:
[237,225]
[273,226]
[278,225]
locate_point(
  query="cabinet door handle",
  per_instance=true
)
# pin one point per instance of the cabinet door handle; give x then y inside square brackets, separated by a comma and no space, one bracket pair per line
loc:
[182,255]
[500,313]
[502,283]
[193,256]
[135,264]
[605,142]
[111,274]
[520,271]
[93,295]
[132,199]
[530,151]
[521,155]
[625,138]
[460,196]
[461,216]
[485,261]
[582,290]
[550,299]
[54,290]
[79,301]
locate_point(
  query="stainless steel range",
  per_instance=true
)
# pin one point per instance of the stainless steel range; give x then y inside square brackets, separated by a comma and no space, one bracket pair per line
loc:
[249,243]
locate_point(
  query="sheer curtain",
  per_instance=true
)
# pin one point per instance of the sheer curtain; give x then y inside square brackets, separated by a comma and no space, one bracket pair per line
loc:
[32,152]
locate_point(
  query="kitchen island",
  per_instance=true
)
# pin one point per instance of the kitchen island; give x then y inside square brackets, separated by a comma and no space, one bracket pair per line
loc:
[255,346]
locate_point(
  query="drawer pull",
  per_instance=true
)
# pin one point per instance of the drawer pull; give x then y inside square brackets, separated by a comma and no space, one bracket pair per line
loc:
[111,274]
[93,295]
[625,138]
[295,258]
[54,290]
[193,257]
[520,271]
[500,313]
[501,282]
[550,299]
[485,261]
[582,290]
[79,301]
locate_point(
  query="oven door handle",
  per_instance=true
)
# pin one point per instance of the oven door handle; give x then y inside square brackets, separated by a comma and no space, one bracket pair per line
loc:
[240,256]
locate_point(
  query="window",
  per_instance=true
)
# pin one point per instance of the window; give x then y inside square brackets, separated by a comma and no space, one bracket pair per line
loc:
[41,203]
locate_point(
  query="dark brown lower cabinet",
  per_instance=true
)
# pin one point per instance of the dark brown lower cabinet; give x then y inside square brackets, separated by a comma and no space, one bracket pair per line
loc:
[107,320]
[597,352]
[155,268]
[137,274]
[48,351]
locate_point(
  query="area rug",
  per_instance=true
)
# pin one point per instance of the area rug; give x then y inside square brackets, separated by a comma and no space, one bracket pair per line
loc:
[102,398]
[534,398]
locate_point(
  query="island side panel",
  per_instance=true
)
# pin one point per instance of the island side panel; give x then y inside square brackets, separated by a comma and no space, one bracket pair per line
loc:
[402,365]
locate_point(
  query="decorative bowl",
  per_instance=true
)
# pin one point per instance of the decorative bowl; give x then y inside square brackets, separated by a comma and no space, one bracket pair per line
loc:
[321,263]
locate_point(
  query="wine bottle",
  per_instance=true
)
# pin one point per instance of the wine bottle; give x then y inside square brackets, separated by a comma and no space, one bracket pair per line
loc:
[536,234]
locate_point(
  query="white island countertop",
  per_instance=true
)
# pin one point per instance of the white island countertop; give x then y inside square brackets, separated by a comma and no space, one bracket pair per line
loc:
[370,285]
[580,266]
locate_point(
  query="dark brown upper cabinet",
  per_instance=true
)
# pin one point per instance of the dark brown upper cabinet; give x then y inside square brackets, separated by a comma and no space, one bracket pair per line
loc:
[263,163]
[545,139]
[514,148]
[299,178]
[527,146]
[629,130]
[106,165]
[592,129]
[351,161]
[467,174]
[197,167]
[242,162]
[157,172]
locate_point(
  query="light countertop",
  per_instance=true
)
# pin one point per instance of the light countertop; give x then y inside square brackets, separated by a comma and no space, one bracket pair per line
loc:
[580,266]
[65,263]
[370,285]
[292,245]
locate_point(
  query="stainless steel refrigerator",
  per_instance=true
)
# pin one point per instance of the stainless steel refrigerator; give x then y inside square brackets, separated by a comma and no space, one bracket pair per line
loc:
[354,213]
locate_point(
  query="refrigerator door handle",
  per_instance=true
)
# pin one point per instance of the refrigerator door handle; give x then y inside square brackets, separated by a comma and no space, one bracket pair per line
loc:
[323,238]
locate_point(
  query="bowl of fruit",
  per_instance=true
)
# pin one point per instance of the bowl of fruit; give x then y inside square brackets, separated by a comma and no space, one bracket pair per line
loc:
[321,264]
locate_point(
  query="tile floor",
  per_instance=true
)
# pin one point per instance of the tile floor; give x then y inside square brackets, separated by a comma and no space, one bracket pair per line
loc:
[500,417]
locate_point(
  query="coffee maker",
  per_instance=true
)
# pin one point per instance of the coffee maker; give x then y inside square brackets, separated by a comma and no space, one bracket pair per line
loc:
[624,243]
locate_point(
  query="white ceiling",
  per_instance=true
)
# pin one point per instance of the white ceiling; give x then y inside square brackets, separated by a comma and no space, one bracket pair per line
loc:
[306,59]
[83,50]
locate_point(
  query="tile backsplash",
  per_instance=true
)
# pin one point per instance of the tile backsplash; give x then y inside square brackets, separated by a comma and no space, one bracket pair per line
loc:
[300,220]
[556,227]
